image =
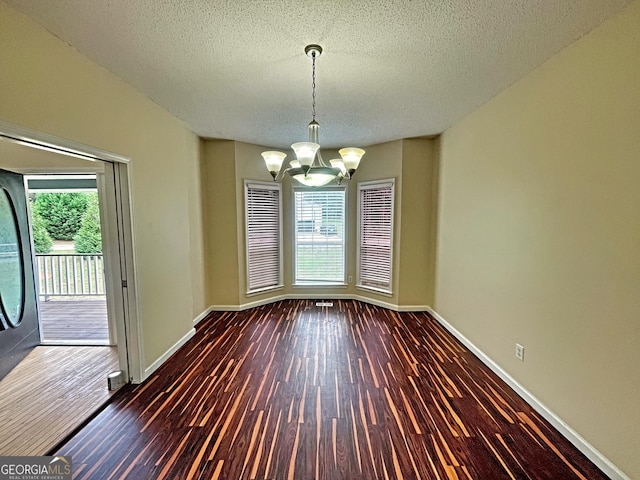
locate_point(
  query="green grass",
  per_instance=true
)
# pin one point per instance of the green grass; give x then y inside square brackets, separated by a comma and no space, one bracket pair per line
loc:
[317,263]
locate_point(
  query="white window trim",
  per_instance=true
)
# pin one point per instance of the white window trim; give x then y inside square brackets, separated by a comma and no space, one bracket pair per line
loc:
[268,186]
[314,284]
[370,185]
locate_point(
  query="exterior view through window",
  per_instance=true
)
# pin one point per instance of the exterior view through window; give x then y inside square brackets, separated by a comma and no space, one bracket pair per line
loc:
[319,236]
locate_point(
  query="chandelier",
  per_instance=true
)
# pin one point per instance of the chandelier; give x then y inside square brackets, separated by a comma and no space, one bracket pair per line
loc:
[309,168]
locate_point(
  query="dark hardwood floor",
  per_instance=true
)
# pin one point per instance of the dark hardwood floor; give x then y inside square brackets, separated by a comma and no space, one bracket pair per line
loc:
[295,391]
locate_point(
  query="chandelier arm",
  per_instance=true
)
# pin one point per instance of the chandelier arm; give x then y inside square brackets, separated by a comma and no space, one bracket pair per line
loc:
[320,160]
[280,176]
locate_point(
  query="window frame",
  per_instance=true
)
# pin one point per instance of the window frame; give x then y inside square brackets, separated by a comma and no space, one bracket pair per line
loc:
[248,184]
[370,185]
[319,283]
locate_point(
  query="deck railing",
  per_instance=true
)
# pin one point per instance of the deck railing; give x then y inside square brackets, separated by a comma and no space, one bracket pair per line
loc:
[70,275]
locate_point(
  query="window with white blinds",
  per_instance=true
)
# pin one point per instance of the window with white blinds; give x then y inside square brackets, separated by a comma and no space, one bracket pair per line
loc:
[319,235]
[375,234]
[264,236]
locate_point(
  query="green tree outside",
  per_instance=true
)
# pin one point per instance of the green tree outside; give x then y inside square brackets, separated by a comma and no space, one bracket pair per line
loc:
[61,213]
[88,239]
[41,238]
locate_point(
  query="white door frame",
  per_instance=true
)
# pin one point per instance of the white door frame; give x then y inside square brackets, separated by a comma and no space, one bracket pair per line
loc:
[115,201]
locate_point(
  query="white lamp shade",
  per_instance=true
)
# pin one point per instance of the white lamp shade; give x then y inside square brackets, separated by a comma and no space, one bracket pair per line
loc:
[294,164]
[351,157]
[305,152]
[273,160]
[339,164]
[314,179]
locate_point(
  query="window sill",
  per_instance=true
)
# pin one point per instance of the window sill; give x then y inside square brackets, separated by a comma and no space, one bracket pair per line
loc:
[264,290]
[320,285]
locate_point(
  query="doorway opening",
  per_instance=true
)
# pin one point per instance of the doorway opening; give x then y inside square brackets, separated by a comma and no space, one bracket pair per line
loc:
[69,262]
[70,376]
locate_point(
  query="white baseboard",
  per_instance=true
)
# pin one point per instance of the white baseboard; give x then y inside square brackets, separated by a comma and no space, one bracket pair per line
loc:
[246,306]
[376,302]
[303,296]
[311,296]
[165,356]
[202,316]
[391,306]
[602,462]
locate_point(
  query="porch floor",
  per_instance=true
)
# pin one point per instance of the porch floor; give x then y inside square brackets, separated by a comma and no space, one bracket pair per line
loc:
[74,322]
[51,393]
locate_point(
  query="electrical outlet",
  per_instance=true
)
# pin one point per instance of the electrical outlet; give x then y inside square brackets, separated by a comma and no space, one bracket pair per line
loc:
[349,279]
[519,352]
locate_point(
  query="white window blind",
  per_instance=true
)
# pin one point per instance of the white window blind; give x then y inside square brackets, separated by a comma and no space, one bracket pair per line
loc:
[264,236]
[319,235]
[375,234]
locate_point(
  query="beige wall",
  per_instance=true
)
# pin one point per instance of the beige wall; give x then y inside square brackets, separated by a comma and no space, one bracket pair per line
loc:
[197,264]
[49,87]
[539,234]
[225,223]
[220,223]
[416,247]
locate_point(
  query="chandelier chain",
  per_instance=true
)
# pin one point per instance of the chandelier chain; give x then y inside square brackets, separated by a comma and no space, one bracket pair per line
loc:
[313,86]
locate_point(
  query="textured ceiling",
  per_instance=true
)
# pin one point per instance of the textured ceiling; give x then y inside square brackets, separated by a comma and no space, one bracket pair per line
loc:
[236,69]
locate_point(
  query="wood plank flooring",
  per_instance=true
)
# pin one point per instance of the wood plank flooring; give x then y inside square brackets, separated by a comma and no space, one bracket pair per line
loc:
[294,391]
[49,394]
[74,322]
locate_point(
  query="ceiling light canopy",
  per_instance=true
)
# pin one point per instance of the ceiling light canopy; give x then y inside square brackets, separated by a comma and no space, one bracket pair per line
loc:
[309,168]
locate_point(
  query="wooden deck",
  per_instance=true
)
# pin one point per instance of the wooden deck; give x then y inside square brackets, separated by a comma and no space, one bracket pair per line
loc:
[50,394]
[293,391]
[74,322]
